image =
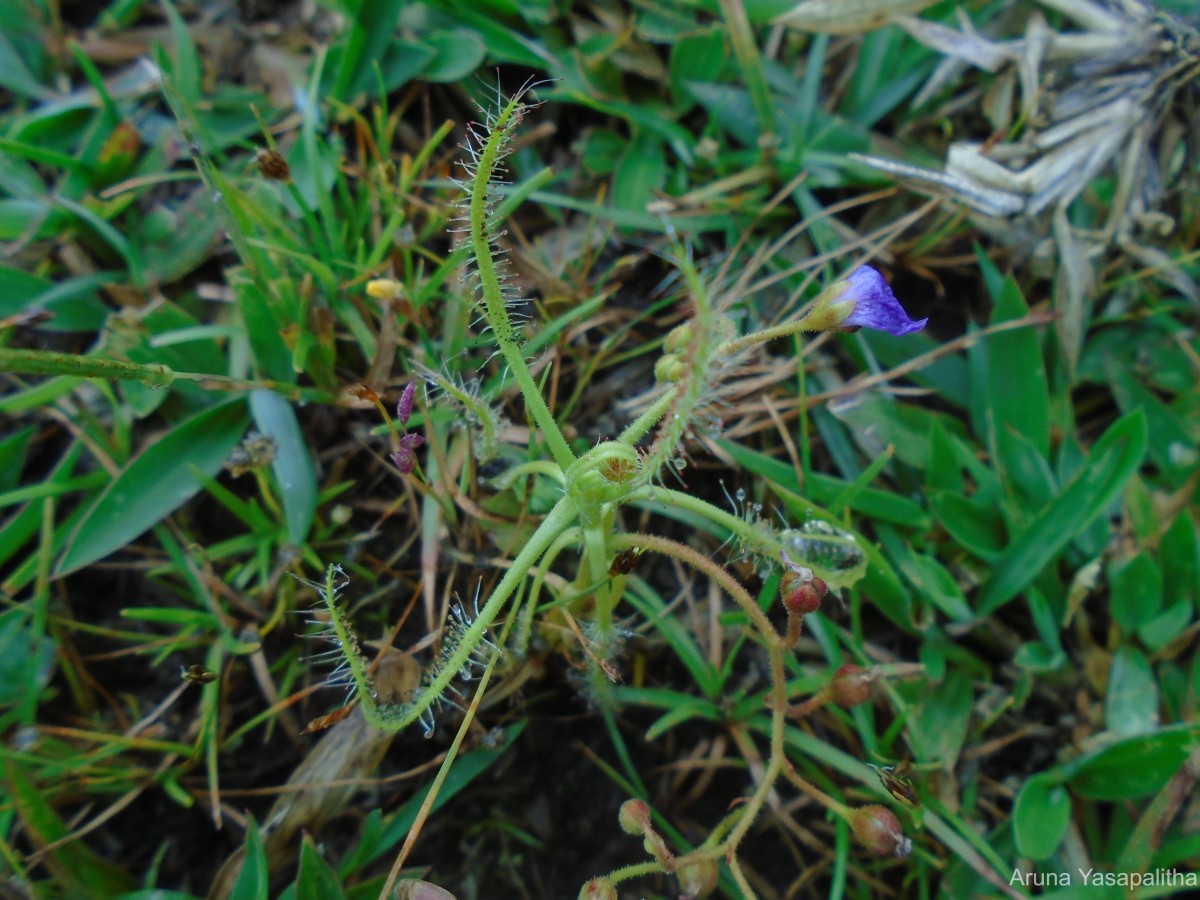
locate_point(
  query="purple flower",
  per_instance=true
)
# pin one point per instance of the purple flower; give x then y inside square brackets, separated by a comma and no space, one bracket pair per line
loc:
[404,458]
[404,406]
[872,304]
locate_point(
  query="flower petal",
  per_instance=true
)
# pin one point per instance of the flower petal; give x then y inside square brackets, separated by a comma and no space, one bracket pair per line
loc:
[875,306]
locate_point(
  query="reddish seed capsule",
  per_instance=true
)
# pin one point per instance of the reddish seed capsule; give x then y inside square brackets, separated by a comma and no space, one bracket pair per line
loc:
[878,829]
[801,591]
[273,166]
[598,889]
[851,686]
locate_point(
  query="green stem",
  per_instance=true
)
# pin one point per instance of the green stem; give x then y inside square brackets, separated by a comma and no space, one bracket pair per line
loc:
[595,539]
[758,539]
[737,345]
[493,294]
[155,375]
[45,362]
[701,563]
[532,467]
[640,427]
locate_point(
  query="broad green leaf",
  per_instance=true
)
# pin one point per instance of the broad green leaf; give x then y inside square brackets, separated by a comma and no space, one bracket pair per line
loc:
[1041,816]
[264,327]
[943,471]
[252,881]
[372,25]
[14,74]
[293,467]
[458,53]
[1167,625]
[938,724]
[933,582]
[1136,591]
[1017,392]
[698,57]
[1109,466]
[1028,479]
[1172,448]
[1133,767]
[974,526]
[74,302]
[316,881]
[641,172]
[602,151]
[24,665]
[154,484]
[13,450]
[1179,555]
[1131,700]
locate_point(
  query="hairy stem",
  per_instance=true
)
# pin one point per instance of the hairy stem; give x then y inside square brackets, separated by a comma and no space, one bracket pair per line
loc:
[493,294]
[394,718]
[640,427]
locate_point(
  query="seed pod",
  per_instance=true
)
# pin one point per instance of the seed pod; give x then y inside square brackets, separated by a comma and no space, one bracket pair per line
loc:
[598,889]
[669,368]
[878,829]
[273,166]
[801,591]
[634,816]
[851,686]
[698,878]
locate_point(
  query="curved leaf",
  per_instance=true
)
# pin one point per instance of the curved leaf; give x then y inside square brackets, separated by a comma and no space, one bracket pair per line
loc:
[154,484]
[1111,463]
[292,465]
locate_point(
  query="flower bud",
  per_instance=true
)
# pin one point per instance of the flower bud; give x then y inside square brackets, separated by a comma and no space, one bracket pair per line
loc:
[634,816]
[851,686]
[411,889]
[878,829]
[404,406]
[801,591]
[698,878]
[669,368]
[385,289]
[678,338]
[273,166]
[598,889]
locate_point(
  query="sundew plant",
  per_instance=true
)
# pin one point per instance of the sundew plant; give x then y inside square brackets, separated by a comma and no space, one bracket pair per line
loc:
[641,465]
[409,488]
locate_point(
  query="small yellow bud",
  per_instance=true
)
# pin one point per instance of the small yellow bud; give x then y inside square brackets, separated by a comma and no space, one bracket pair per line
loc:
[385,289]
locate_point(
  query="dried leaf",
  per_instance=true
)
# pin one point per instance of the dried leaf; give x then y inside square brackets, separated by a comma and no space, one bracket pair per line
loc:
[848,16]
